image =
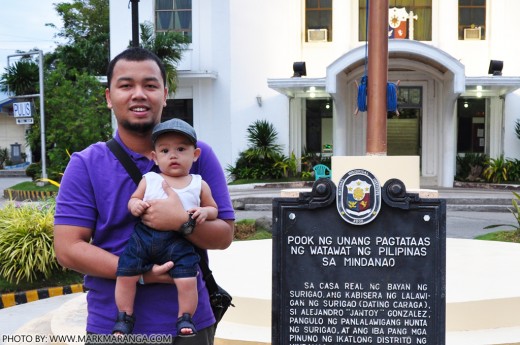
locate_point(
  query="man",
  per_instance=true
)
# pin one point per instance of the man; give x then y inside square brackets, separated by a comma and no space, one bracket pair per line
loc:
[92,223]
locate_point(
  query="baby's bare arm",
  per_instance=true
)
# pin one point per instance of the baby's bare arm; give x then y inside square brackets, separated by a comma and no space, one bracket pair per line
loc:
[136,205]
[201,214]
[208,207]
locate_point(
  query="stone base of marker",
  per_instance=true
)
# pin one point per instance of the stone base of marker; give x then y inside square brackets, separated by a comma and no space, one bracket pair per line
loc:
[405,168]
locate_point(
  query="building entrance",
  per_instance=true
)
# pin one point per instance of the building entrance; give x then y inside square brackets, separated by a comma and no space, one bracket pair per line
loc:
[404,126]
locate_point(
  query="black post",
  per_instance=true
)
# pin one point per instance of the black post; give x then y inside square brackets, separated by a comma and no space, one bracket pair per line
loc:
[135,23]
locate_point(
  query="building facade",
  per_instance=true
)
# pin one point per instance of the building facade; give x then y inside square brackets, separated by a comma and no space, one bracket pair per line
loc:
[239,68]
[12,133]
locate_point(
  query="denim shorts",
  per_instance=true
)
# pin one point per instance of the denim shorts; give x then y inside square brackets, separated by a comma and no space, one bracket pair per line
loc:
[147,247]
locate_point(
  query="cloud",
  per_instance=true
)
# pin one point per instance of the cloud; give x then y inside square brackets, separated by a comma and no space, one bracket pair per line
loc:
[23,28]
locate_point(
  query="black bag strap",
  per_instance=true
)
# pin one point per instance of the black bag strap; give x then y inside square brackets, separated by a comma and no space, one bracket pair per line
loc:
[136,175]
[125,160]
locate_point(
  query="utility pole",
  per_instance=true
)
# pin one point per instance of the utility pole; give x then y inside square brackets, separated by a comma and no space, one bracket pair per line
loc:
[377,77]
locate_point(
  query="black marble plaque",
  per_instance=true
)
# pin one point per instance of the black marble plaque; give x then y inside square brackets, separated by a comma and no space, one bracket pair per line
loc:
[377,283]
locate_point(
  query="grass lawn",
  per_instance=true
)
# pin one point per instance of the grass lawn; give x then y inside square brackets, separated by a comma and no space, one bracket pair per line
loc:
[502,236]
[31,186]
[59,278]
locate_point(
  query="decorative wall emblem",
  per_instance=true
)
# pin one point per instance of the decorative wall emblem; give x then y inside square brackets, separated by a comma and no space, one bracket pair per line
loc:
[397,20]
[358,197]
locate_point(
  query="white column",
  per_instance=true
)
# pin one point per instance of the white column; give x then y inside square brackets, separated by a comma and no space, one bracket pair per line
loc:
[296,116]
[448,150]
[495,118]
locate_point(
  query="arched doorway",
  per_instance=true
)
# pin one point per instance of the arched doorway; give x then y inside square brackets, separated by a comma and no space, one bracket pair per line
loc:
[418,66]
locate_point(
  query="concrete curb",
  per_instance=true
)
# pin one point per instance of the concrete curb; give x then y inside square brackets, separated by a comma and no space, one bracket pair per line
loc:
[15,298]
[22,195]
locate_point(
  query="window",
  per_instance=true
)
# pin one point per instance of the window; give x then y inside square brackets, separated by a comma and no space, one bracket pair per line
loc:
[178,108]
[318,20]
[173,15]
[422,26]
[471,135]
[472,19]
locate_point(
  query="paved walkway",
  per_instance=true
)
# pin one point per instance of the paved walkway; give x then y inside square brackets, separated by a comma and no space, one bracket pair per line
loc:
[459,224]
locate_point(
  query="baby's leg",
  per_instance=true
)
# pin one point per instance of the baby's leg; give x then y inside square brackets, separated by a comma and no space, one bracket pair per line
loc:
[188,295]
[188,299]
[125,293]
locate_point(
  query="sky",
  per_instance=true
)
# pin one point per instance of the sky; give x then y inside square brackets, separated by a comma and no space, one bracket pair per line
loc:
[23,27]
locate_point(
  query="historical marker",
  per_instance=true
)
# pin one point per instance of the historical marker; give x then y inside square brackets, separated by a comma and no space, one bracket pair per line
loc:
[359,264]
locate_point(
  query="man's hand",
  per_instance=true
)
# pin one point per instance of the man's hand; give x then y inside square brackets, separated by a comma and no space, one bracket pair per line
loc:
[165,214]
[159,274]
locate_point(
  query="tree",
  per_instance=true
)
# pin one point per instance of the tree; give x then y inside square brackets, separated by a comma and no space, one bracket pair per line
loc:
[21,78]
[87,32]
[263,159]
[75,115]
[75,110]
[168,46]
[262,137]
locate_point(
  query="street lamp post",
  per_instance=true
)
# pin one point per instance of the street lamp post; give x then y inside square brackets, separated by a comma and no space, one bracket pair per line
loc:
[135,23]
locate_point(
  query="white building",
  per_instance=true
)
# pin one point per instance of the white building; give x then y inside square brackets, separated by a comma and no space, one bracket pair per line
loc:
[239,68]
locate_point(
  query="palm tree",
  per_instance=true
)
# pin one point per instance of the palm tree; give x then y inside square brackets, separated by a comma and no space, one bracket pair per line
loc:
[168,46]
[21,78]
[262,137]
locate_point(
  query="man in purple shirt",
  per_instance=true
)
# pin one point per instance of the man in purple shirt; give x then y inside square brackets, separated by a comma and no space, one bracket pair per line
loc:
[92,223]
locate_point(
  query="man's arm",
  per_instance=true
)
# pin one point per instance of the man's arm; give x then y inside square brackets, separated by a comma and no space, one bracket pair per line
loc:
[213,234]
[74,251]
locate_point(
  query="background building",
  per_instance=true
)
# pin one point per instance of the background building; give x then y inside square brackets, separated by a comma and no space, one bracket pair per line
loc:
[12,135]
[239,68]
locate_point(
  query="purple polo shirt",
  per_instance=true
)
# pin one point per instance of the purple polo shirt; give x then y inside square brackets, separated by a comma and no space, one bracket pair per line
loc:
[94,193]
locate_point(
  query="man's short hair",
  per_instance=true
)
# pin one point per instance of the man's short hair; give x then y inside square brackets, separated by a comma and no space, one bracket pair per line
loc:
[135,54]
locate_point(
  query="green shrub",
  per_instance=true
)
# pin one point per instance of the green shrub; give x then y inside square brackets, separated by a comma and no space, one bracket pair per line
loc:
[497,170]
[289,165]
[515,211]
[249,167]
[514,170]
[34,171]
[310,159]
[470,166]
[4,157]
[26,241]
[258,161]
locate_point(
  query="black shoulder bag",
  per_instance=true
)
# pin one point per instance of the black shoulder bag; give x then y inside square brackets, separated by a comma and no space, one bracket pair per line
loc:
[219,298]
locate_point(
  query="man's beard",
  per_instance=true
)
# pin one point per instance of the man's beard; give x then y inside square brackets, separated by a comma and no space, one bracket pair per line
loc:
[141,128]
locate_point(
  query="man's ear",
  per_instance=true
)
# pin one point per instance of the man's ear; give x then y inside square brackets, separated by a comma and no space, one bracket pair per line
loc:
[107,97]
[196,154]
